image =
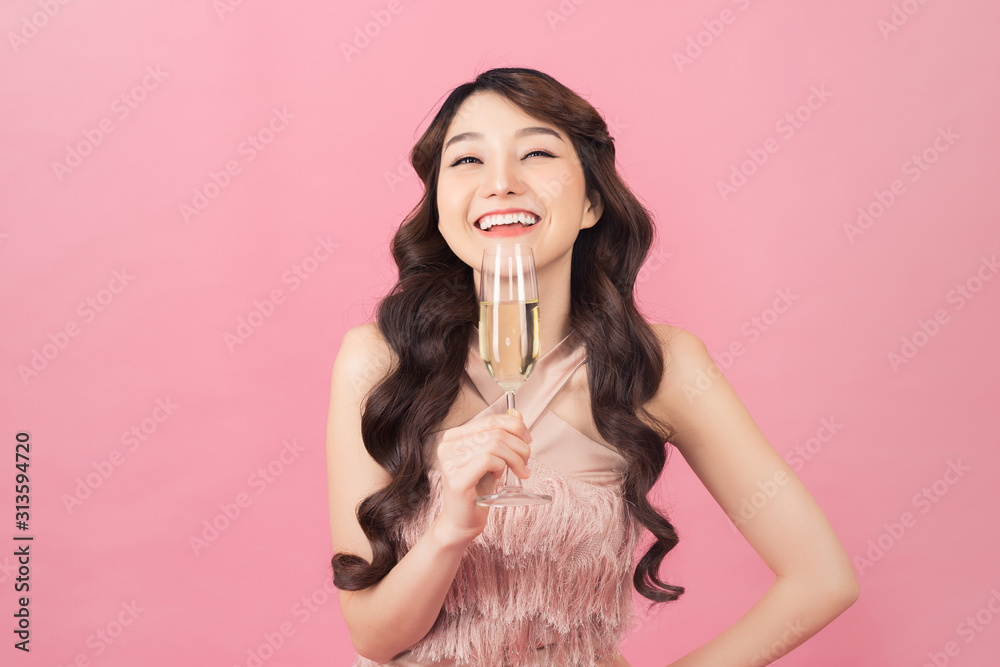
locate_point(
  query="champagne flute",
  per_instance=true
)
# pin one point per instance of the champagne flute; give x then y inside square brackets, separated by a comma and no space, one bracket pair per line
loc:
[508,340]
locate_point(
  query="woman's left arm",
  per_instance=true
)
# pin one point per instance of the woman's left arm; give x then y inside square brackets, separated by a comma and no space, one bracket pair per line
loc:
[814,580]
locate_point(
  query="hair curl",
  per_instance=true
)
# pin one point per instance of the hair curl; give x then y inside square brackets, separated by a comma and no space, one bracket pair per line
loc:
[428,316]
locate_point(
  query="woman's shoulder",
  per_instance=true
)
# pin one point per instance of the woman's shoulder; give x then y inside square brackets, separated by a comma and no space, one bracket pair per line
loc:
[365,337]
[685,360]
[679,346]
[364,355]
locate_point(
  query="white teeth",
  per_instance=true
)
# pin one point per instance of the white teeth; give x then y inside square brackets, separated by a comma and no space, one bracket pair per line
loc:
[488,221]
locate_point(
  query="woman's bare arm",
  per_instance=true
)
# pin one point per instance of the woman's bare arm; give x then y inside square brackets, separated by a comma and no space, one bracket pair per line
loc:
[391,616]
[814,580]
[386,619]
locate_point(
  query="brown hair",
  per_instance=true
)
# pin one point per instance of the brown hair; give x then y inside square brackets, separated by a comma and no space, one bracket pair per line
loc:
[428,316]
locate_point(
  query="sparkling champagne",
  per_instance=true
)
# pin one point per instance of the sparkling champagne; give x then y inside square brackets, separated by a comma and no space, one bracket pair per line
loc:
[509,346]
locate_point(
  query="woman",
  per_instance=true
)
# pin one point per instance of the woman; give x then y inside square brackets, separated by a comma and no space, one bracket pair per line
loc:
[417,431]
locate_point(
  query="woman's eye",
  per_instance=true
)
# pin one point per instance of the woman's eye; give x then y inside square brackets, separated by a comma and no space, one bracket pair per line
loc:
[468,159]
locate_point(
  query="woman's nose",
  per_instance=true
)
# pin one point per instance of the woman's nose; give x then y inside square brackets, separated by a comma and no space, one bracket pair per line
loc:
[501,178]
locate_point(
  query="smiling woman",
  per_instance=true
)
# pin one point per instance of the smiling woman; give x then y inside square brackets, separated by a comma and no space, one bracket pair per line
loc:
[497,155]
[501,161]
[417,426]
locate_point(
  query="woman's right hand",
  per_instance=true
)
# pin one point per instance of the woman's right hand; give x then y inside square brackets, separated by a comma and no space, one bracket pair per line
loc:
[472,457]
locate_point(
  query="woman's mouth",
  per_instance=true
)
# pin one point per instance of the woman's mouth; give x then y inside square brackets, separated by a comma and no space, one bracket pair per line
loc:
[507,224]
[501,231]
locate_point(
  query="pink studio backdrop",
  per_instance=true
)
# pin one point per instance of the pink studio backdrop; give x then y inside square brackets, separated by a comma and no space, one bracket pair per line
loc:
[197,203]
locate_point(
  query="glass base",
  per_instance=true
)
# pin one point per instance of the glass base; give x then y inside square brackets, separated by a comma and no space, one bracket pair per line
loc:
[512,496]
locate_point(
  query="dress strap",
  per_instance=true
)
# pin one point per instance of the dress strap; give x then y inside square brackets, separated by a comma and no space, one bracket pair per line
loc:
[550,374]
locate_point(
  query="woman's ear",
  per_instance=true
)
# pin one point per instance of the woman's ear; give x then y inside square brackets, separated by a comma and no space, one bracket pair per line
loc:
[593,209]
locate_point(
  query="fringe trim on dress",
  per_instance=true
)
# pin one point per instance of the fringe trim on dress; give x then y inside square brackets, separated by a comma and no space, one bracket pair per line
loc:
[557,576]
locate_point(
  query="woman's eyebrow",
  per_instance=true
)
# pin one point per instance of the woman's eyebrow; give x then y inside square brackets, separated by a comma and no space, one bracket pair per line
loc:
[523,132]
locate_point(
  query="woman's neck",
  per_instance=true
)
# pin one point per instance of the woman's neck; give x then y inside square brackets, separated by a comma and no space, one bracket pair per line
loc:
[553,311]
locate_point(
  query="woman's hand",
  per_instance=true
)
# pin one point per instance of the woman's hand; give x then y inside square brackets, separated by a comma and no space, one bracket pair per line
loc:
[472,457]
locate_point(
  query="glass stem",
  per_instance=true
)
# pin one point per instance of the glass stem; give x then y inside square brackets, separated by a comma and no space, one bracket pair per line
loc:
[506,473]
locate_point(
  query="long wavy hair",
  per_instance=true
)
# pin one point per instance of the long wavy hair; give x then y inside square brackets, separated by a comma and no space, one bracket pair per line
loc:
[427,319]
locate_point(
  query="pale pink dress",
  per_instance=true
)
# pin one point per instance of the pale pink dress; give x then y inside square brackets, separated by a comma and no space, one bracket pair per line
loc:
[543,585]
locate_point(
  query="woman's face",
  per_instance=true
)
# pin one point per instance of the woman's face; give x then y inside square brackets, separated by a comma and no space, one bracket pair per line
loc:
[497,158]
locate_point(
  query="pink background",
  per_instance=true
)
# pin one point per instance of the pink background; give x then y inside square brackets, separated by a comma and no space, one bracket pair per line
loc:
[322,194]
